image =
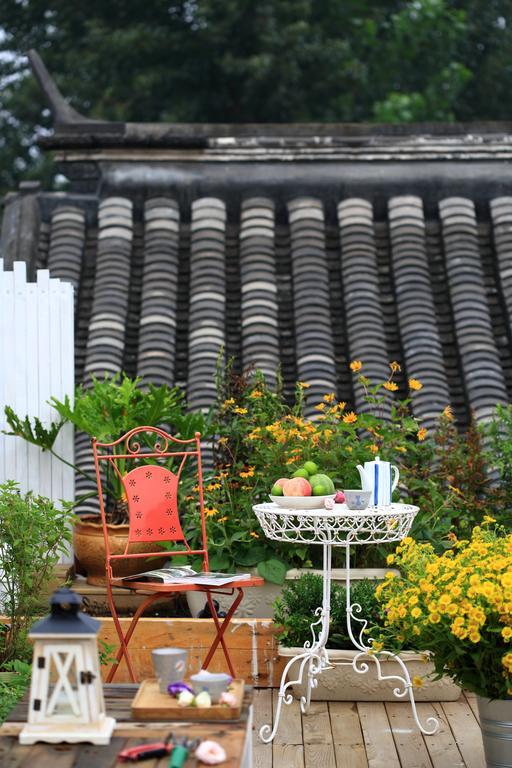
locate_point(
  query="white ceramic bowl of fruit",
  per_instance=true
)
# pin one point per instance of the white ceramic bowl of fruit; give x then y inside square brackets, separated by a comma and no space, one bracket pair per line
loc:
[308,488]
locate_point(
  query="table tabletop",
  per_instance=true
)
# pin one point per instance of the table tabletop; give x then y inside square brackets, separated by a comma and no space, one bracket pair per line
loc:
[234,737]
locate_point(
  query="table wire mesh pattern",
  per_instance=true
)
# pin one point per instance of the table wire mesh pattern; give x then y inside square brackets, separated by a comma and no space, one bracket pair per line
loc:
[339,526]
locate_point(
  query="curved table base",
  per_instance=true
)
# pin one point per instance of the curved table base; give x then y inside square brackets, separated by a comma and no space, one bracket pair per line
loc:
[315,658]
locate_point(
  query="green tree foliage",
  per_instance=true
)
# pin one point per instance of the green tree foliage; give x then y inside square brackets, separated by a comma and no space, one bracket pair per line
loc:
[241,61]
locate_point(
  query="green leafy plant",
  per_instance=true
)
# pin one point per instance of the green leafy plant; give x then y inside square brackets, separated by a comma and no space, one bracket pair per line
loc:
[14,680]
[34,533]
[295,610]
[106,653]
[108,409]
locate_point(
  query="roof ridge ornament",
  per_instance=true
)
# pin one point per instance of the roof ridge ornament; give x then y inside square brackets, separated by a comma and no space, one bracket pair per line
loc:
[62,112]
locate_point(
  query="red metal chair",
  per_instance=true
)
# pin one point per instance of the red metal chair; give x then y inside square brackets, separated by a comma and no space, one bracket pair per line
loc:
[152,495]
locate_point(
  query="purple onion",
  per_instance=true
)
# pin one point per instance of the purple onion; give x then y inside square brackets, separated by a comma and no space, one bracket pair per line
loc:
[176,688]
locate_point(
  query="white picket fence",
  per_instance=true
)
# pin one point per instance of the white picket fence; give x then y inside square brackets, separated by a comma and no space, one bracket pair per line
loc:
[36,362]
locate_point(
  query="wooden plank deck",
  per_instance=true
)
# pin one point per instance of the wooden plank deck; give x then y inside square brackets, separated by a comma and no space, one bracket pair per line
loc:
[368,735]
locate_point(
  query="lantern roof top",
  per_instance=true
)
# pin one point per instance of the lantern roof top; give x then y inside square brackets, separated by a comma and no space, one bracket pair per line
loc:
[66,618]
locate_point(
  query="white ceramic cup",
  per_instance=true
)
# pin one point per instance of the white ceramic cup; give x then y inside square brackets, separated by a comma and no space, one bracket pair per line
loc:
[169,665]
[357,500]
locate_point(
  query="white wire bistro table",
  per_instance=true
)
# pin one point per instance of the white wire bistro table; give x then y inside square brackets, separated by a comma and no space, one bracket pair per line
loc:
[339,527]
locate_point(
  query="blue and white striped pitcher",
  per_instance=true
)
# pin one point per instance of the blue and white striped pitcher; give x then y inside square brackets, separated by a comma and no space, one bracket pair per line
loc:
[381,478]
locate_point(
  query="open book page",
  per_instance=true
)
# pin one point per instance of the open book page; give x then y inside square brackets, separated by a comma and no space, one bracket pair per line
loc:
[185,575]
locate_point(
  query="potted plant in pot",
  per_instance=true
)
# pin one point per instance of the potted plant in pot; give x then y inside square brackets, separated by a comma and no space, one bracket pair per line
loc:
[294,612]
[458,607]
[106,410]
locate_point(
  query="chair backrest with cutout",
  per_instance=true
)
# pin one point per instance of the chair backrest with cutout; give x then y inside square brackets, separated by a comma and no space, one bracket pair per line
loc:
[150,475]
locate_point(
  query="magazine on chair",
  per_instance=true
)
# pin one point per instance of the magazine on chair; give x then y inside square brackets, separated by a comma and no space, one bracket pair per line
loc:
[185,575]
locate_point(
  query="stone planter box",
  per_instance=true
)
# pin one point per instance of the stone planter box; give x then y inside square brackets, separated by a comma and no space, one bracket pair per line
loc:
[342,683]
[258,602]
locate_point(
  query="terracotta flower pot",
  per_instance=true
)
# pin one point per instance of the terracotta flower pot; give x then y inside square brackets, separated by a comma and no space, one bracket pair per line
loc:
[89,547]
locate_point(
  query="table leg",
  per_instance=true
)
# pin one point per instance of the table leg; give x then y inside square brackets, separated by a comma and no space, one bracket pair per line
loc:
[313,661]
[357,636]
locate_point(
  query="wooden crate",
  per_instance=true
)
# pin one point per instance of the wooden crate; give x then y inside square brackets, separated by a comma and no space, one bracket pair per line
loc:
[252,644]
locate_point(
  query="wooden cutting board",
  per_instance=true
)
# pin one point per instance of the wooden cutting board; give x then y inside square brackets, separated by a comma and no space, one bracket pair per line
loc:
[150,704]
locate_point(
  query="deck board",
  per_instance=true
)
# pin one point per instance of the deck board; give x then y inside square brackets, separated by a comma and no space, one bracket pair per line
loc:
[466,731]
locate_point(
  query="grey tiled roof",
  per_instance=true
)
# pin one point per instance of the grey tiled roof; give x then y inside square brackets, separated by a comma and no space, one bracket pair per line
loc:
[304,286]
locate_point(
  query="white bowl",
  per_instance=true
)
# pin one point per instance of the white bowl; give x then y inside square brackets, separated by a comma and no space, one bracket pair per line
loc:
[301,502]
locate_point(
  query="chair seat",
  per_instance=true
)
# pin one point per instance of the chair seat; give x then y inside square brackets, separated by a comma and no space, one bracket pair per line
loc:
[151,587]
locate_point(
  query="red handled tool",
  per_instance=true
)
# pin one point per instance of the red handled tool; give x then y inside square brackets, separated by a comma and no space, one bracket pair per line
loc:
[146,751]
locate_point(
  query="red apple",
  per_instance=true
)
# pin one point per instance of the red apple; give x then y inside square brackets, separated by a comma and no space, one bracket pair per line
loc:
[297,486]
[281,481]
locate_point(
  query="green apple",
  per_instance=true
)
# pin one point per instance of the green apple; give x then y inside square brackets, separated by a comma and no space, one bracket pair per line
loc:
[276,490]
[326,483]
[310,467]
[301,473]
[319,490]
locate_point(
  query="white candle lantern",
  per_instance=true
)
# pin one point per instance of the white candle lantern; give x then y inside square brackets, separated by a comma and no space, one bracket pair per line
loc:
[66,692]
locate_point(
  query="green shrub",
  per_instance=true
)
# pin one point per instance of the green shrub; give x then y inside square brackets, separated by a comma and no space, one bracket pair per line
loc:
[14,680]
[34,533]
[294,611]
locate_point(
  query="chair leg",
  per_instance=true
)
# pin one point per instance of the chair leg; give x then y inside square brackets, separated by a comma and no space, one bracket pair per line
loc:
[221,628]
[125,639]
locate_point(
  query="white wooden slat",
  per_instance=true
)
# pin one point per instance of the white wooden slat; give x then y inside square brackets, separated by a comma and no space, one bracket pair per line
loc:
[3,424]
[7,321]
[19,371]
[55,380]
[32,381]
[67,367]
[44,366]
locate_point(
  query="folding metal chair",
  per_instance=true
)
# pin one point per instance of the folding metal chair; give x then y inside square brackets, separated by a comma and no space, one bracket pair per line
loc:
[152,495]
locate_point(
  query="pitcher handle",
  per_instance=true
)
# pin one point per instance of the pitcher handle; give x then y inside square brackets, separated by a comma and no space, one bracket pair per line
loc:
[396,475]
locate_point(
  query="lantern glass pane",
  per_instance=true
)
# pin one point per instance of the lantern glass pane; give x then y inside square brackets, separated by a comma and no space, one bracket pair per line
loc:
[66,697]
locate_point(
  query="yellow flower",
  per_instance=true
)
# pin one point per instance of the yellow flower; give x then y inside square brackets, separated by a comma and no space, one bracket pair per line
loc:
[222,519]
[475,636]
[506,633]
[390,386]
[417,681]
[330,398]
[422,433]
[377,646]
[248,473]
[350,418]
[390,559]
[320,407]
[434,618]
[256,393]
[356,366]
[374,448]
[227,403]
[395,367]
[241,411]
[222,440]
[488,519]
[448,413]
[210,511]
[416,612]
[303,384]
[415,384]
[291,460]
[254,535]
